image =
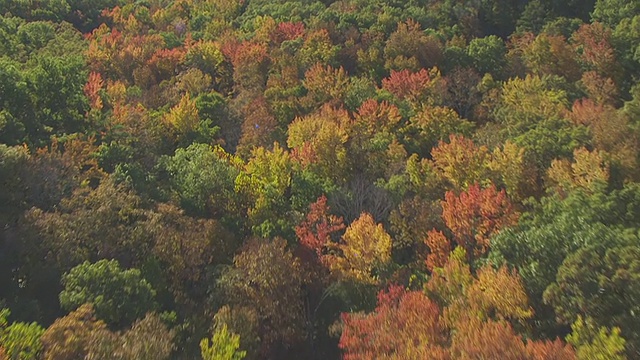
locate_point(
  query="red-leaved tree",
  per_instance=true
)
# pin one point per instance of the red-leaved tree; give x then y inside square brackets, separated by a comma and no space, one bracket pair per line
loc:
[316,229]
[405,325]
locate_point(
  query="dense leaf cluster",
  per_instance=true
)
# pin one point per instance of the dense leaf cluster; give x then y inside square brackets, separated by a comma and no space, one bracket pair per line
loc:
[357,179]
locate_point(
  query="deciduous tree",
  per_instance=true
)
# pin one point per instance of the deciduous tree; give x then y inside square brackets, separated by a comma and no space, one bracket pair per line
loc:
[439,249]
[202,177]
[487,340]
[403,325]
[319,143]
[593,342]
[364,248]
[223,346]
[69,337]
[410,48]
[20,340]
[461,161]
[600,282]
[589,171]
[266,181]
[432,125]
[118,296]
[316,230]
[268,278]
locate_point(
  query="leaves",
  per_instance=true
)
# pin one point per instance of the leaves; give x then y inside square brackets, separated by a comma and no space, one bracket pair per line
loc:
[20,340]
[589,171]
[187,248]
[477,214]
[319,143]
[432,125]
[550,350]
[409,47]
[265,180]
[118,296]
[406,84]
[223,346]
[316,230]
[596,343]
[326,85]
[478,160]
[184,117]
[365,247]
[487,340]
[439,249]
[461,161]
[203,178]
[267,278]
[69,337]
[403,324]
[605,286]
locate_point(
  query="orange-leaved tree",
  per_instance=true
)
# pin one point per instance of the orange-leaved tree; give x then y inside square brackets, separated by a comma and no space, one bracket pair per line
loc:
[475,215]
[405,325]
[315,231]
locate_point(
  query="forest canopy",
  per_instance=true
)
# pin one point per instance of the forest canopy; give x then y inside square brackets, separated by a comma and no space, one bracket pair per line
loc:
[351,179]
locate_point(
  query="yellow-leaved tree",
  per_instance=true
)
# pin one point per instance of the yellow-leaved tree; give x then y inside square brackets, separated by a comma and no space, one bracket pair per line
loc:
[365,247]
[183,119]
[589,171]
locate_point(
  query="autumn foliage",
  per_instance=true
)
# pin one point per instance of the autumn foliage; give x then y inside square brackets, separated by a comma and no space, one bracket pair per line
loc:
[405,84]
[475,215]
[319,179]
[471,321]
[365,247]
[404,325]
[315,232]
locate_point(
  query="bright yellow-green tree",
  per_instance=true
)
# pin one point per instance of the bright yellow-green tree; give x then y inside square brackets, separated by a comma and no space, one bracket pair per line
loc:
[223,346]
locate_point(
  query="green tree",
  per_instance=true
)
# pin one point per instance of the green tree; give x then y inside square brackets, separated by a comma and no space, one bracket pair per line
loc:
[532,112]
[16,114]
[243,321]
[21,341]
[534,16]
[596,343]
[488,55]
[499,16]
[13,160]
[185,123]
[203,178]
[36,101]
[223,346]
[56,88]
[265,181]
[612,12]
[118,296]
[543,240]
[602,282]
[432,125]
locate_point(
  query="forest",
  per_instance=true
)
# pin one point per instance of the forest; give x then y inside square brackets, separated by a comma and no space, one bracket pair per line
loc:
[319,179]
